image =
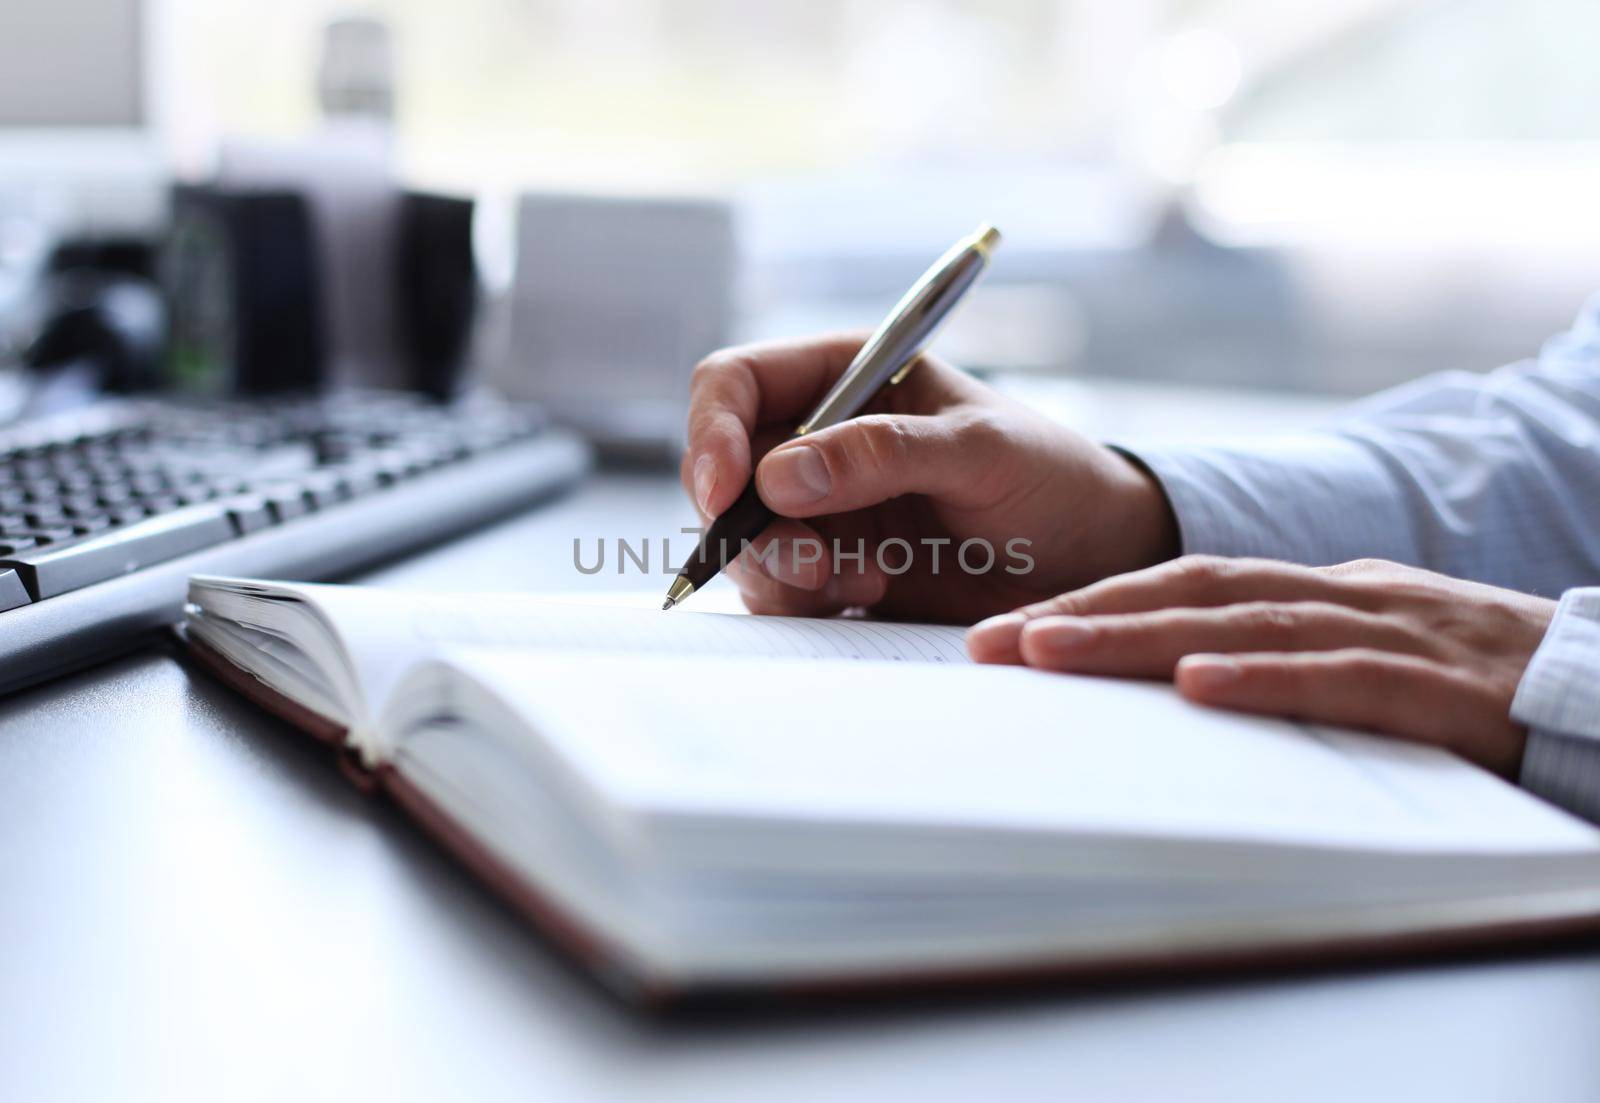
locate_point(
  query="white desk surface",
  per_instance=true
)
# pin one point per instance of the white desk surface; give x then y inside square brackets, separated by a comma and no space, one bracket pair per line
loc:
[196,905]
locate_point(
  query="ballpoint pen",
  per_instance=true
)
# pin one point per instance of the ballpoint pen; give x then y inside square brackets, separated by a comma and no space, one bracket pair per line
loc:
[887,358]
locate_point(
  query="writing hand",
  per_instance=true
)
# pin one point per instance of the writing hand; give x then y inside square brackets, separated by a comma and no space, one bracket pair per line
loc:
[940,457]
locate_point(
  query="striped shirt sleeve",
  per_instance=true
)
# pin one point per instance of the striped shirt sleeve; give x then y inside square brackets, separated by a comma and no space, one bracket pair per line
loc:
[1558,700]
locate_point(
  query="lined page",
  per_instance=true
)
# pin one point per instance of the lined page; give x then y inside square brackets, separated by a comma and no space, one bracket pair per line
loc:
[518,622]
[385,631]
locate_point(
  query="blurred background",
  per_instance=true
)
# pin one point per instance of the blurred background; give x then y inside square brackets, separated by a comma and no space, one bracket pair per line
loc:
[1291,196]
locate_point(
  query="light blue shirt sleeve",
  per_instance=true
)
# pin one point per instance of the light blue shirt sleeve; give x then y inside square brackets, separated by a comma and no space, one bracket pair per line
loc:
[1491,477]
[1558,700]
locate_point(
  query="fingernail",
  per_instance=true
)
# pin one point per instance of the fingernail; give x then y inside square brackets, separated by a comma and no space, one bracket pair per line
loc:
[793,477]
[705,482]
[1059,635]
[1209,671]
[995,640]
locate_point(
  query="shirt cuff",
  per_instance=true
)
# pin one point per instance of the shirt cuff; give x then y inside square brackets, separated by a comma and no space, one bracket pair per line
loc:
[1564,770]
[1558,700]
[1314,500]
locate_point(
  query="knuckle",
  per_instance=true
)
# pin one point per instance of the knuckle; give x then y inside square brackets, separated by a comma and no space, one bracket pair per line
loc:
[722,375]
[1060,605]
[881,443]
[713,433]
[979,432]
[838,454]
[1370,669]
[884,441]
[987,439]
[1364,567]
[716,365]
[1269,619]
[1201,570]
[720,428]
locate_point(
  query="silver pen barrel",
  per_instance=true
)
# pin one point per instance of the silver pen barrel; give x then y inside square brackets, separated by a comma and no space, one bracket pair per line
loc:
[895,346]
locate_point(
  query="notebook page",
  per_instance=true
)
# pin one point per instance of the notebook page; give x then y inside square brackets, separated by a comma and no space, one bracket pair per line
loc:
[521,622]
[384,632]
[812,750]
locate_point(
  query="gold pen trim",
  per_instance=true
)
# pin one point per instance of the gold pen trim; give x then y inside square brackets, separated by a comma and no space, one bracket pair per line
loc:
[681,588]
[985,239]
[905,370]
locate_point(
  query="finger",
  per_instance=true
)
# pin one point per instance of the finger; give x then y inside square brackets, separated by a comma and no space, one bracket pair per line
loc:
[686,476]
[1400,695]
[733,391]
[840,591]
[1149,645]
[810,556]
[1194,582]
[788,552]
[872,459]
[762,441]
[1199,581]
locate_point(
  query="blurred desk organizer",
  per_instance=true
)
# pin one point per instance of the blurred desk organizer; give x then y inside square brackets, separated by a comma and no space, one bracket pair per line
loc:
[615,301]
[304,266]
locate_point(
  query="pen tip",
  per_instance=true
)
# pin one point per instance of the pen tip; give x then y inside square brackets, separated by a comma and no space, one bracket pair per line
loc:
[677,591]
[681,588]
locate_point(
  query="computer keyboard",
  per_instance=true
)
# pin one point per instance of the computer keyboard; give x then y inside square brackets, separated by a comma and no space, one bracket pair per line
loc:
[105,512]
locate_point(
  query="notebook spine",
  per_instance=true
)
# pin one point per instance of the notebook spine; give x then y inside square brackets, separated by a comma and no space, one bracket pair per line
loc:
[356,771]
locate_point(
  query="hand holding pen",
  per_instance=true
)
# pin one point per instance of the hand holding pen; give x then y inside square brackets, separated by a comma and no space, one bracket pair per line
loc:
[931,462]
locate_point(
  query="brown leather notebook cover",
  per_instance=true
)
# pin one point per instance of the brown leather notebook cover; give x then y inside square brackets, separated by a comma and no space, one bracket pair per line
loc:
[610,965]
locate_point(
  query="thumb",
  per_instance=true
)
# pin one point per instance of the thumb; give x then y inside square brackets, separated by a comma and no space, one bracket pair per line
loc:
[867,461]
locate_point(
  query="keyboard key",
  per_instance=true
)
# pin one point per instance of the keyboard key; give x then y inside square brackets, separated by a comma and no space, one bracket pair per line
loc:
[114,494]
[393,464]
[53,535]
[323,489]
[247,513]
[76,506]
[76,483]
[125,515]
[359,481]
[12,592]
[41,490]
[144,484]
[285,501]
[59,568]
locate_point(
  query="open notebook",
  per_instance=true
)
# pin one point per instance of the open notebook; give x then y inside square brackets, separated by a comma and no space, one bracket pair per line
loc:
[694,801]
